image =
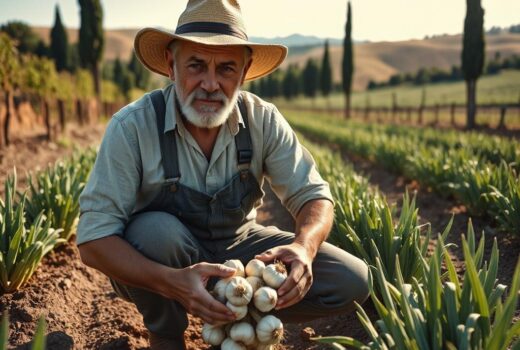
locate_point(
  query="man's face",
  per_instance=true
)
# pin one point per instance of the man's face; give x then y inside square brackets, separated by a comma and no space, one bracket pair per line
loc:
[207,81]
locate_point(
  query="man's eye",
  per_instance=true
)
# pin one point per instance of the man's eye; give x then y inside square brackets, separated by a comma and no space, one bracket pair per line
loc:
[228,69]
[194,66]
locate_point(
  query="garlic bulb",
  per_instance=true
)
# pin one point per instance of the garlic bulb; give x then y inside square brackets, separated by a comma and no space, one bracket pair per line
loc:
[239,311]
[255,282]
[265,299]
[219,292]
[239,291]
[213,335]
[230,344]
[269,330]
[237,265]
[243,332]
[255,267]
[275,274]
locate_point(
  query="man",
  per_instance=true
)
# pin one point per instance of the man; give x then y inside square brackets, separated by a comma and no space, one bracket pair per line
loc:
[179,174]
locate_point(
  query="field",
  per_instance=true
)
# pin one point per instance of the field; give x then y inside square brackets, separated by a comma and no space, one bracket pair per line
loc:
[370,180]
[501,88]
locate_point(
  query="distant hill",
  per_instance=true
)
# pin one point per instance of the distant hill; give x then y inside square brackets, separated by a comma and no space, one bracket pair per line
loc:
[374,60]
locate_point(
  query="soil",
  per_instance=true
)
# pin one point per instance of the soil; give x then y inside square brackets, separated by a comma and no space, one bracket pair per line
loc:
[83,312]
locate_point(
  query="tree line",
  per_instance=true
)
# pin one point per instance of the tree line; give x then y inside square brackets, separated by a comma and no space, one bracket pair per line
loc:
[313,79]
[436,75]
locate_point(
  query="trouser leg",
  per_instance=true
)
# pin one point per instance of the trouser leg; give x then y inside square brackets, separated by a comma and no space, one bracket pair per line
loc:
[163,238]
[339,278]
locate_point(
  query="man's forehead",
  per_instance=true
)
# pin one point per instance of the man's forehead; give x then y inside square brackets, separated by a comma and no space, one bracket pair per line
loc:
[188,49]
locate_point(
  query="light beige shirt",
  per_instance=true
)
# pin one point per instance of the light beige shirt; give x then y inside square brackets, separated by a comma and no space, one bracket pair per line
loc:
[128,172]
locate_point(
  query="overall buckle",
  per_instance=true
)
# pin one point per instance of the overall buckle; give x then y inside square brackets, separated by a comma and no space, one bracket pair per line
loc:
[171,183]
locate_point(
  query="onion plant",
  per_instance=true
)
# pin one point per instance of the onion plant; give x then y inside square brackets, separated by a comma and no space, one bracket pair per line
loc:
[38,342]
[56,192]
[364,224]
[442,311]
[21,247]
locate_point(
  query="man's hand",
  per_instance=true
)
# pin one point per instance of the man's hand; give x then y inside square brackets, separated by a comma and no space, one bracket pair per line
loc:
[188,287]
[299,280]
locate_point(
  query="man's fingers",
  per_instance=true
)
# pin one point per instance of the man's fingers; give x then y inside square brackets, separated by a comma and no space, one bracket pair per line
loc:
[297,293]
[218,270]
[266,256]
[297,271]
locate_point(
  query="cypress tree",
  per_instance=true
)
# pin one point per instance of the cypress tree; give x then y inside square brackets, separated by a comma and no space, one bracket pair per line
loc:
[91,40]
[141,74]
[326,72]
[348,61]
[310,78]
[472,55]
[59,48]
[119,74]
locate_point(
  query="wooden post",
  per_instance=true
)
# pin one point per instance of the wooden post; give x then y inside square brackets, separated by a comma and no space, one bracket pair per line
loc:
[452,112]
[436,122]
[502,122]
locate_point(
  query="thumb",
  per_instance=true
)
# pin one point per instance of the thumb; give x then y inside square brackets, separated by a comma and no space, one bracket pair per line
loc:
[219,270]
[266,256]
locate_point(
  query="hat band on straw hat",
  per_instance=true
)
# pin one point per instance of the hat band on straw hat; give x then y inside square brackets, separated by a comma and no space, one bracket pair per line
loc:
[211,27]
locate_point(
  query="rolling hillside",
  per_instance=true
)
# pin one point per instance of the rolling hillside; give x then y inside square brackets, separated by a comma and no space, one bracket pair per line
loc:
[374,60]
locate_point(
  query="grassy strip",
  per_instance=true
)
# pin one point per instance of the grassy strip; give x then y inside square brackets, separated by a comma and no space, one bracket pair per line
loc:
[463,172]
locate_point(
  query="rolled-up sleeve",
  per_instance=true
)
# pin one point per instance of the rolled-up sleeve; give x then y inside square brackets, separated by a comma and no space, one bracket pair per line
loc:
[289,167]
[110,193]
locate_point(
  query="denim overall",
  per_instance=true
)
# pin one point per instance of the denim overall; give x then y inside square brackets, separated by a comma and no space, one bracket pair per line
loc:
[217,218]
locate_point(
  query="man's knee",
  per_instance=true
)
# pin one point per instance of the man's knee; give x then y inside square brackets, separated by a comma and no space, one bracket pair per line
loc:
[161,237]
[348,278]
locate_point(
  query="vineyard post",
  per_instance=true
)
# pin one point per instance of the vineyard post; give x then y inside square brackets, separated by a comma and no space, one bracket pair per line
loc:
[452,112]
[502,122]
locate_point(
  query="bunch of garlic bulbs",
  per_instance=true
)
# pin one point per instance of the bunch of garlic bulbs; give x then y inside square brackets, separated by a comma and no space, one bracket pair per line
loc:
[250,293]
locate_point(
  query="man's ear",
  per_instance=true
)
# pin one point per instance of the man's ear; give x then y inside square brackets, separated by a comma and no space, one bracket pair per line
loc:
[246,68]
[168,56]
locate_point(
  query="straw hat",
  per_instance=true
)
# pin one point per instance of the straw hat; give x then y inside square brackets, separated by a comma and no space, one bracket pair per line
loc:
[209,22]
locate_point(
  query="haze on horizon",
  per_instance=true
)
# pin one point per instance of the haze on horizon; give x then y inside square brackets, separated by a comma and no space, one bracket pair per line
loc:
[374,20]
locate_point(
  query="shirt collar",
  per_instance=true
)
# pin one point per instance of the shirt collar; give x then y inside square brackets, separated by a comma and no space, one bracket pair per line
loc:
[171,118]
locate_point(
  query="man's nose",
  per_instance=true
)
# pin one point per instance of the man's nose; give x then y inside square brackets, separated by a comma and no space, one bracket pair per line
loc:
[209,81]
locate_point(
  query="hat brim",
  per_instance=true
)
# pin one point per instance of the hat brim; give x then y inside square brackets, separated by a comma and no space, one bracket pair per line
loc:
[150,44]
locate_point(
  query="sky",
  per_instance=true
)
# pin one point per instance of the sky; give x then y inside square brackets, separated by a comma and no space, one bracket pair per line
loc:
[374,20]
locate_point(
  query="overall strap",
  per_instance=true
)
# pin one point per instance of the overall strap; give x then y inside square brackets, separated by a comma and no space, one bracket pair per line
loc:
[167,142]
[243,141]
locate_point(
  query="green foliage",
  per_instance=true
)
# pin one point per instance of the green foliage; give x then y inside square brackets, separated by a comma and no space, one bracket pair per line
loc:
[291,82]
[27,40]
[141,74]
[9,65]
[443,312]
[348,55]
[326,72]
[59,47]
[473,41]
[84,84]
[40,76]
[91,39]
[38,342]
[310,78]
[56,191]
[21,248]
[363,223]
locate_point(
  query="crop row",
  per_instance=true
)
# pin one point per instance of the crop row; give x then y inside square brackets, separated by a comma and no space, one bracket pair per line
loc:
[36,220]
[420,306]
[470,174]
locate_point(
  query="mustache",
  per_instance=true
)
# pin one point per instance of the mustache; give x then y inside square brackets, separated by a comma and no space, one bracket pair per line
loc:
[210,96]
